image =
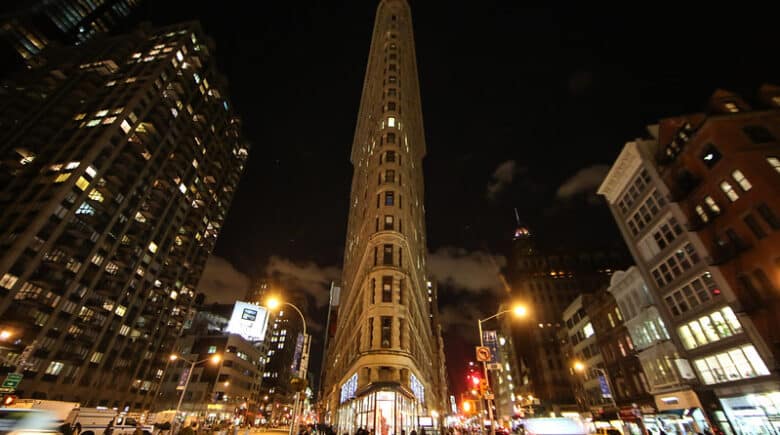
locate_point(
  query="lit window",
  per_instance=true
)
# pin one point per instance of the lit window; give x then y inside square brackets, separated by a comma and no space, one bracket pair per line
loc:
[55,367]
[102,113]
[82,183]
[740,178]
[91,171]
[153,247]
[588,330]
[120,310]
[139,217]
[62,177]
[96,196]
[93,123]
[79,117]
[8,280]
[728,189]
[702,214]
[125,126]
[734,364]
[712,204]
[72,165]
[391,122]
[179,56]
[109,120]
[774,162]
[124,330]
[111,83]
[731,107]
[86,209]
[96,357]
[182,188]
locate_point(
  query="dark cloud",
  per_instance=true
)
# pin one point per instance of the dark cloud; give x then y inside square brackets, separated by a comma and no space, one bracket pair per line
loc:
[461,320]
[221,282]
[501,178]
[473,272]
[303,277]
[586,180]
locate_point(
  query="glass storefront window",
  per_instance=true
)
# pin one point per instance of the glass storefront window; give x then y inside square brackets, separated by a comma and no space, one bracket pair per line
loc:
[698,333]
[739,363]
[709,329]
[687,337]
[731,319]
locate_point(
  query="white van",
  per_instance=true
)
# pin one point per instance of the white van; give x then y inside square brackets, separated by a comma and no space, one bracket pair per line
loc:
[93,421]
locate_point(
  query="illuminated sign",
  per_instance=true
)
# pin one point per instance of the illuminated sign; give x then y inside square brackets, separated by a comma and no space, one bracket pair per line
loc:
[348,388]
[417,388]
[249,321]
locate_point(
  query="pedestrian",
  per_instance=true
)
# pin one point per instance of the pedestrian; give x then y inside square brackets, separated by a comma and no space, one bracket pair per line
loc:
[65,428]
[110,428]
[138,430]
[77,427]
[413,432]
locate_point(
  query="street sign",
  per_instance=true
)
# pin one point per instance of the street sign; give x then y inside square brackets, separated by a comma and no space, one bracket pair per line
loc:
[493,366]
[483,353]
[490,338]
[12,380]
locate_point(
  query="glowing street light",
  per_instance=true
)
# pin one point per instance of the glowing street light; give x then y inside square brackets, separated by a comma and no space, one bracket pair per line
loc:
[5,334]
[215,359]
[519,310]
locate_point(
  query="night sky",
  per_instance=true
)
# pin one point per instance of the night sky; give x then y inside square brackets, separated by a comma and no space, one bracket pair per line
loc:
[523,108]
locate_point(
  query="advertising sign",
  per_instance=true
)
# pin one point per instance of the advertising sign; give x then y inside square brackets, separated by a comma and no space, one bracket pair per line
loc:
[604,387]
[183,379]
[491,341]
[296,361]
[249,321]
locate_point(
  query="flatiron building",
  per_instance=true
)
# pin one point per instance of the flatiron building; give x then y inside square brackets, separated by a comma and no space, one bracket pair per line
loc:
[382,370]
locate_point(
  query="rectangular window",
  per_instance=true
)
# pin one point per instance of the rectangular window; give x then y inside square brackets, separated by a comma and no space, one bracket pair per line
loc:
[710,328]
[713,206]
[390,156]
[401,291]
[774,162]
[387,289]
[754,226]
[212,349]
[674,266]
[387,331]
[758,133]
[769,216]
[387,255]
[728,189]
[391,121]
[370,332]
[55,367]
[389,198]
[391,136]
[740,178]
[388,222]
[389,176]
[734,364]
[692,294]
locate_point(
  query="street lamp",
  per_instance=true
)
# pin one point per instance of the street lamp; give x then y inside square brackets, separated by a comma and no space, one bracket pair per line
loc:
[518,310]
[272,303]
[580,367]
[5,334]
[215,359]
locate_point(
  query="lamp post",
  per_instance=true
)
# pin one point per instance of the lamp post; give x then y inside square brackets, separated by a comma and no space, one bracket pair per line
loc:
[272,304]
[216,358]
[518,311]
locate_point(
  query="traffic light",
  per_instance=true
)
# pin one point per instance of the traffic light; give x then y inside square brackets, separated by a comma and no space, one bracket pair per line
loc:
[9,400]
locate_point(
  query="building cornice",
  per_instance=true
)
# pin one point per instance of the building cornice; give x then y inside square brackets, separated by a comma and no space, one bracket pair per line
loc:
[621,172]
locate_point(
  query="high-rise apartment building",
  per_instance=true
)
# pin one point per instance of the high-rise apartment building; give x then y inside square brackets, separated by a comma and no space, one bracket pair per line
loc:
[27,30]
[380,372]
[118,163]
[697,206]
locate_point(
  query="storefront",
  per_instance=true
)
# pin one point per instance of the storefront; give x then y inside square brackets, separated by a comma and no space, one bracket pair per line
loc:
[679,413]
[386,411]
[754,414]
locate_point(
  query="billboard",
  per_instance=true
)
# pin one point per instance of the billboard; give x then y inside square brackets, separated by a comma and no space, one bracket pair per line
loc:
[249,321]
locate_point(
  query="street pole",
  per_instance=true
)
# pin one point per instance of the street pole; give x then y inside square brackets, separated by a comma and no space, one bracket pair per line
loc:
[487,380]
[302,369]
[181,398]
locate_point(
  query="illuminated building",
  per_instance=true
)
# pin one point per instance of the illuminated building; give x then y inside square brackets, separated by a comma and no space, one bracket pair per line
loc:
[116,180]
[380,373]
[697,205]
[25,32]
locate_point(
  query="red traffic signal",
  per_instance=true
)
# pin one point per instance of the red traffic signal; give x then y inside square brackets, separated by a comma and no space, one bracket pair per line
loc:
[9,400]
[475,380]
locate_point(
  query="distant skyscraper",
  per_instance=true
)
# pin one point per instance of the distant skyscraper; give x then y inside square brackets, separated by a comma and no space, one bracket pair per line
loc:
[380,373]
[29,29]
[118,162]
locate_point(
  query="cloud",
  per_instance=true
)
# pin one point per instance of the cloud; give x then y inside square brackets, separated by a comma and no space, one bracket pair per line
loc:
[461,319]
[221,282]
[474,272]
[307,278]
[502,177]
[586,180]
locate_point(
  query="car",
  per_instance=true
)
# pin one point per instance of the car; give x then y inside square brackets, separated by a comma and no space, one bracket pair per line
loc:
[607,431]
[15,421]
